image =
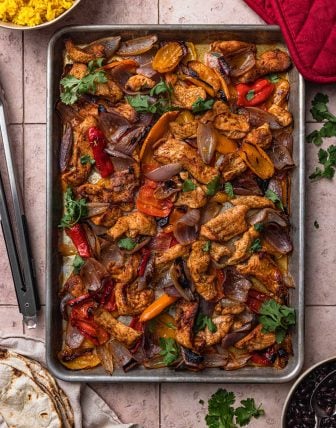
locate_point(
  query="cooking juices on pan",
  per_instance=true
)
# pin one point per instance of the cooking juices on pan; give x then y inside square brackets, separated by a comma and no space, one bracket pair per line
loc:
[174,163]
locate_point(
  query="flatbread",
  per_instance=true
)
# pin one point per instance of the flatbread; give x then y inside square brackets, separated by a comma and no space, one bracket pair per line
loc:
[23,404]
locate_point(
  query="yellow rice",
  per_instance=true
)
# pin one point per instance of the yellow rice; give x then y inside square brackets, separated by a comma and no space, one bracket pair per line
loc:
[32,12]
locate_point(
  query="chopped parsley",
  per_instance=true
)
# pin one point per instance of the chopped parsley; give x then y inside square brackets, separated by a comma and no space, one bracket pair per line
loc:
[213,186]
[201,105]
[256,246]
[275,198]
[259,227]
[229,189]
[188,186]
[250,95]
[207,247]
[320,112]
[127,244]
[87,159]
[77,264]
[73,87]
[203,321]
[327,158]
[74,209]
[273,78]
[161,88]
[169,350]
[276,318]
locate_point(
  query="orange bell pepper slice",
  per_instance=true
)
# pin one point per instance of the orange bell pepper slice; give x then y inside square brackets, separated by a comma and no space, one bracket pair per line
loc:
[257,160]
[125,63]
[157,307]
[148,204]
[224,144]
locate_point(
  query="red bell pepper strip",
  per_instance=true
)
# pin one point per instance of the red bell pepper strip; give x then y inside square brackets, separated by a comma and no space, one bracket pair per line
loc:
[146,253]
[83,311]
[98,143]
[78,300]
[78,236]
[148,204]
[260,360]
[255,300]
[92,331]
[252,95]
[137,325]
[108,301]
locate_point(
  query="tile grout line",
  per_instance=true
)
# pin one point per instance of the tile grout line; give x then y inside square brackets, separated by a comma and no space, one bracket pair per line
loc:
[160,405]
[158,15]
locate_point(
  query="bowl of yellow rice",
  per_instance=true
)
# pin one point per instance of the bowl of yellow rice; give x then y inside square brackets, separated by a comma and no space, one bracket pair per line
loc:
[33,14]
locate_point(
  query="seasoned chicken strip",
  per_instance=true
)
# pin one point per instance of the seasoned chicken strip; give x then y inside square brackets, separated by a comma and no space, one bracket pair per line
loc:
[186,95]
[234,309]
[223,324]
[131,301]
[185,319]
[283,116]
[253,202]
[125,269]
[77,54]
[126,110]
[272,61]
[264,269]
[242,246]
[226,225]
[139,82]
[121,332]
[217,251]
[261,136]
[171,254]
[232,166]
[78,70]
[183,130]
[177,151]
[256,340]
[281,92]
[109,90]
[108,218]
[232,125]
[193,199]
[203,276]
[132,225]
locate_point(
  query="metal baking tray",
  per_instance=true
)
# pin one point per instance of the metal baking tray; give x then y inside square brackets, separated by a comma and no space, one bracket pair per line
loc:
[196,33]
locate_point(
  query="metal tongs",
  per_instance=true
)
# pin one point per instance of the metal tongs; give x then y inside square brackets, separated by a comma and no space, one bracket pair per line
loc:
[15,232]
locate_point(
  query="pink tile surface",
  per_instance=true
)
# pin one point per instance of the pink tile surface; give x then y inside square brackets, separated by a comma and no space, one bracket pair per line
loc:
[11,320]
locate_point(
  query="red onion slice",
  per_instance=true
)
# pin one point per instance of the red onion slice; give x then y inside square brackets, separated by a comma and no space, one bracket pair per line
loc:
[73,337]
[281,157]
[258,117]
[165,172]
[236,286]
[92,273]
[278,238]
[210,211]
[66,147]
[130,140]
[240,62]
[137,46]
[96,208]
[206,141]
[105,355]
[186,228]
[268,215]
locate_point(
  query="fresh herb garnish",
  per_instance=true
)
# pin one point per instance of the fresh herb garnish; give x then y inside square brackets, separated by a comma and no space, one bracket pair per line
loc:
[213,186]
[259,227]
[201,105]
[126,244]
[274,78]
[256,246]
[321,112]
[73,88]
[327,158]
[161,88]
[207,246]
[169,350]
[221,413]
[229,189]
[275,198]
[87,159]
[77,264]
[188,186]
[316,224]
[203,321]
[250,95]
[74,209]
[276,318]
[142,103]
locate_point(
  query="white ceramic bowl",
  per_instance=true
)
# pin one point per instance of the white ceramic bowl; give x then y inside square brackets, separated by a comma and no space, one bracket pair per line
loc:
[45,24]
[293,388]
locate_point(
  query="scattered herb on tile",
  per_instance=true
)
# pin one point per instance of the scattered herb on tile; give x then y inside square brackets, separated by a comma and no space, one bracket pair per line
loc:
[203,321]
[169,350]
[275,198]
[188,185]
[320,112]
[276,318]
[247,411]
[74,209]
[77,264]
[327,158]
[126,244]
[201,105]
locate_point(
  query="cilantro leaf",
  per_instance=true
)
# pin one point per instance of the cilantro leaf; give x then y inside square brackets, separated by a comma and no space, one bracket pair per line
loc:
[77,264]
[250,95]
[141,103]
[188,186]
[87,159]
[320,110]
[161,88]
[229,189]
[203,321]
[247,411]
[207,246]
[169,350]
[255,246]
[275,198]
[213,186]
[201,105]
[259,227]
[315,138]
[276,318]
[74,209]
[126,244]
[274,78]
[327,158]
[220,410]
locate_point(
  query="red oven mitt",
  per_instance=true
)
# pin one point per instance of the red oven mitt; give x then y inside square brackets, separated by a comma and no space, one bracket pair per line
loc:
[309,28]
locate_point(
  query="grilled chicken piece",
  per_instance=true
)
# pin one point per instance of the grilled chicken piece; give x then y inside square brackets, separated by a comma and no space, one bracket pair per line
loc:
[108,218]
[218,108]
[272,61]
[74,285]
[130,300]
[171,254]
[281,92]
[139,82]
[232,166]
[205,337]
[185,319]
[125,270]
[77,173]
[283,116]
[78,70]
[264,269]
[183,130]
[253,202]
[217,251]
[177,151]
[232,125]
[256,340]
[120,188]
[126,110]
[242,246]
[231,46]
[77,54]
[193,199]
[261,136]
[234,309]
[121,332]
[186,95]
[132,225]
[109,90]
[201,271]
[226,225]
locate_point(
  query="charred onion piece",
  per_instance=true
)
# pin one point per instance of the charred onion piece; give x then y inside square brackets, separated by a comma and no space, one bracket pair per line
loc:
[66,147]
[206,141]
[137,46]
[180,279]
[165,172]
[186,228]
